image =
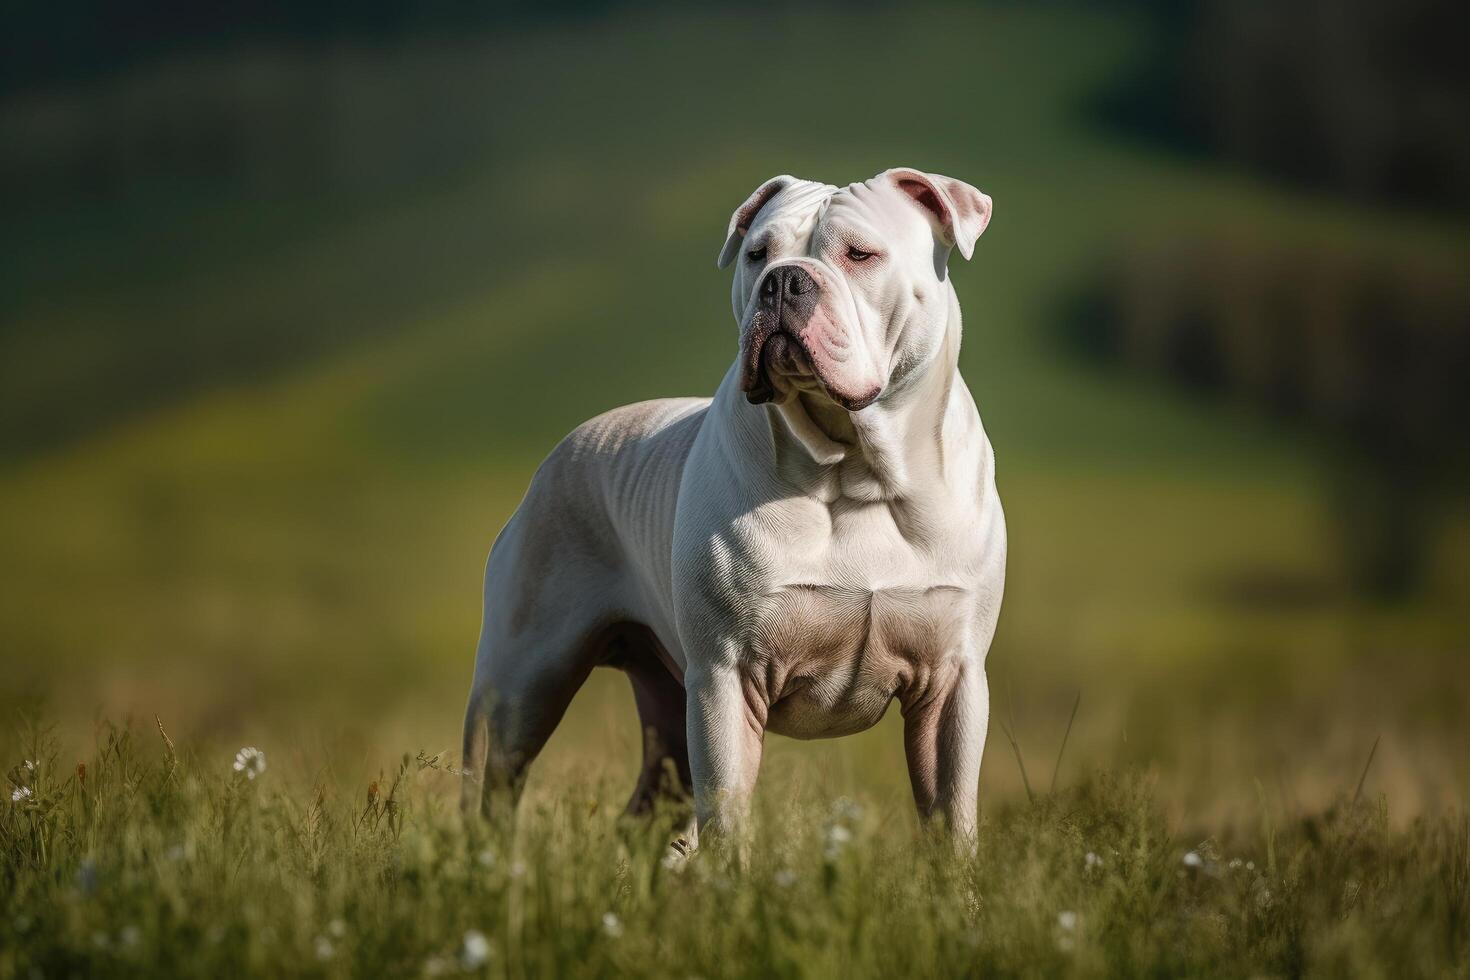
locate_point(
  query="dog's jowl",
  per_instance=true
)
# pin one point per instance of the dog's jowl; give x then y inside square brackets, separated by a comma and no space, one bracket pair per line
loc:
[821,538]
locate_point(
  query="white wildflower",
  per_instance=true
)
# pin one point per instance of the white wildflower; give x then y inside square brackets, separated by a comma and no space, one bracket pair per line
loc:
[20,794]
[846,810]
[129,935]
[612,925]
[435,966]
[785,877]
[1193,860]
[250,761]
[475,951]
[838,837]
[839,833]
[1091,860]
[518,869]
[324,948]
[1235,864]
[337,928]
[1066,934]
[486,858]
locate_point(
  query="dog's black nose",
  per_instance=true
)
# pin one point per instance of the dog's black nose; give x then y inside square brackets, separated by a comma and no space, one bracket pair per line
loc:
[798,280]
[788,281]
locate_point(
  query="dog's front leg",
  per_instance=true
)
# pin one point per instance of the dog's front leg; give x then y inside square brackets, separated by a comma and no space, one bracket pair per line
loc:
[944,738]
[726,734]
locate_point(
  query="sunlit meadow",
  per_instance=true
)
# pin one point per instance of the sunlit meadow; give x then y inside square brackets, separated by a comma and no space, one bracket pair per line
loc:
[148,856]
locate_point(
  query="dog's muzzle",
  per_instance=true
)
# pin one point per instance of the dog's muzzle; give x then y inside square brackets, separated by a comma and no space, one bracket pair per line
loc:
[785,300]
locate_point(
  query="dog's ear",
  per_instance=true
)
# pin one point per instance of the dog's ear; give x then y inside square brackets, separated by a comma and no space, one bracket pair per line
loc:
[958,211]
[744,216]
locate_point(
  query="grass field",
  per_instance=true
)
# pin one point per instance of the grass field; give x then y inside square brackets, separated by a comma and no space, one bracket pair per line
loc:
[258,446]
[148,860]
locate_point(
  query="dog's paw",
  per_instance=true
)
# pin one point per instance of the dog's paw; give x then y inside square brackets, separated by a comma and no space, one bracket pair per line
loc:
[678,854]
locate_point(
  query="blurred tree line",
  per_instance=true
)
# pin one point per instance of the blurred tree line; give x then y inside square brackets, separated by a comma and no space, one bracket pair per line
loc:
[45,44]
[1369,349]
[103,101]
[1358,97]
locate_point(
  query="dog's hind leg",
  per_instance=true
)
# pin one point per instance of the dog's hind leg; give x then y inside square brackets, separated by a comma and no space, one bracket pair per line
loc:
[557,588]
[513,710]
[659,696]
[543,612]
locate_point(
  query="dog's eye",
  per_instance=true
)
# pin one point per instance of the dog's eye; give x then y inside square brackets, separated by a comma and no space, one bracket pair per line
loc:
[756,254]
[858,255]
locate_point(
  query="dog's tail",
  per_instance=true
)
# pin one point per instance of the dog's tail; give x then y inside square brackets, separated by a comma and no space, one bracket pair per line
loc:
[476,752]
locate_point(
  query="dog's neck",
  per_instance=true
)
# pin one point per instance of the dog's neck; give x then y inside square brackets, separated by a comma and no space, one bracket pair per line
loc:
[895,449]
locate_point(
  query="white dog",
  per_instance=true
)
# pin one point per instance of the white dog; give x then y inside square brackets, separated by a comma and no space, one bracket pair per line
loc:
[820,538]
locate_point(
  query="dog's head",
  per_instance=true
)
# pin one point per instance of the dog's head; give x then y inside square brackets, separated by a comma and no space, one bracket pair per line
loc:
[845,292]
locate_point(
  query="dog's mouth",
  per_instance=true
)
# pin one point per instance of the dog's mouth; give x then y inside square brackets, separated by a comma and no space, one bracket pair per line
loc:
[776,366]
[781,365]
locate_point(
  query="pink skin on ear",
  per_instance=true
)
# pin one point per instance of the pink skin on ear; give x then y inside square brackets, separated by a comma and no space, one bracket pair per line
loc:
[960,211]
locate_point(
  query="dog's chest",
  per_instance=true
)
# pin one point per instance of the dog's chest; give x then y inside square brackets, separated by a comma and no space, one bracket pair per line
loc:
[849,629]
[830,660]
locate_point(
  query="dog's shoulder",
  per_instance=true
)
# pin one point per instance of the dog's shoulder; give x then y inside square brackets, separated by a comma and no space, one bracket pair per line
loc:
[639,426]
[630,451]
[616,477]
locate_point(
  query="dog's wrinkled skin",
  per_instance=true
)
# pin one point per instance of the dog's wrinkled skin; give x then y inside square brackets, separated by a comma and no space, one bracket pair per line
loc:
[822,537]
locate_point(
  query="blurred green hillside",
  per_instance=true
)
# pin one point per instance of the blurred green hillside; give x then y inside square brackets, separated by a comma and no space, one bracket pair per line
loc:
[260,430]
